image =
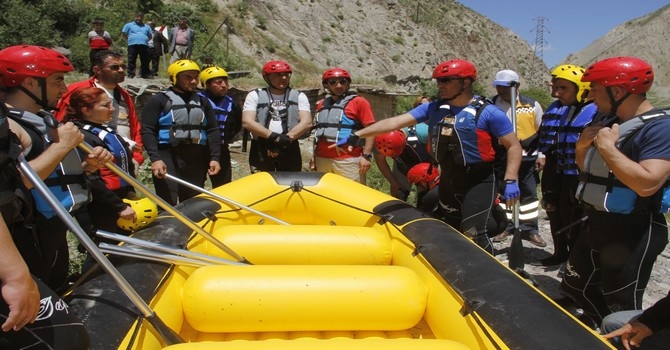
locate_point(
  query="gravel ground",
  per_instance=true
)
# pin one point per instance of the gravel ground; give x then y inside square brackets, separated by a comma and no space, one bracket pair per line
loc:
[547,277]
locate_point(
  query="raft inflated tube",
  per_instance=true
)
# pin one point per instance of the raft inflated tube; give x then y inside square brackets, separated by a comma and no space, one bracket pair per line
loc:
[326,344]
[305,244]
[264,298]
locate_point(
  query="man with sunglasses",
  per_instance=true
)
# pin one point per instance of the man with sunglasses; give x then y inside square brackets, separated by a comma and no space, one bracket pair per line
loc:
[466,136]
[109,70]
[338,115]
[276,116]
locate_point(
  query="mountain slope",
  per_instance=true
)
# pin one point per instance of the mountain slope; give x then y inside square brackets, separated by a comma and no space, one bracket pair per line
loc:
[378,40]
[645,37]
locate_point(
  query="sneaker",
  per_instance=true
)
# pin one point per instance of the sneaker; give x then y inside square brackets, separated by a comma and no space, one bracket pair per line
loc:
[236,144]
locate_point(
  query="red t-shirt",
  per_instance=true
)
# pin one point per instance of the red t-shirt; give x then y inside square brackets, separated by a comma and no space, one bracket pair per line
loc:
[357,109]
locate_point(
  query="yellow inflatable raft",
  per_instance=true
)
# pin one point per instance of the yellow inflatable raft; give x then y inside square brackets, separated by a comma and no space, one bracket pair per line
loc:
[353,268]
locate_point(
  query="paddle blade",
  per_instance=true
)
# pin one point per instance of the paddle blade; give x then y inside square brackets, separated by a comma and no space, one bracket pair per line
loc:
[515,253]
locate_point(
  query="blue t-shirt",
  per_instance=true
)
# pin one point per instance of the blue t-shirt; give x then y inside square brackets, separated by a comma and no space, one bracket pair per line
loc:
[492,119]
[137,34]
[652,141]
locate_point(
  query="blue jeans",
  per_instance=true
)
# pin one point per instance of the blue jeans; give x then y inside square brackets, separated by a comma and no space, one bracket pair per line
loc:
[656,341]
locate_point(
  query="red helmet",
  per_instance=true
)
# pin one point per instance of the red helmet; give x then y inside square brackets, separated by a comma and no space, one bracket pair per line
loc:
[461,68]
[22,61]
[335,73]
[391,144]
[423,173]
[631,73]
[276,67]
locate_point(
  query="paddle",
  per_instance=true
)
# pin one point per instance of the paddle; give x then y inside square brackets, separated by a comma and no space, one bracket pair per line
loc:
[516,262]
[165,205]
[167,334]
[223,199]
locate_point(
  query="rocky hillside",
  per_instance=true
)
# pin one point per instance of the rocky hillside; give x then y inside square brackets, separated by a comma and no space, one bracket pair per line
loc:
[645,37]
[379,41]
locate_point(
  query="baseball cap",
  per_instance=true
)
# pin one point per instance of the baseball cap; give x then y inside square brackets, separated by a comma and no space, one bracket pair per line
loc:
[504,77]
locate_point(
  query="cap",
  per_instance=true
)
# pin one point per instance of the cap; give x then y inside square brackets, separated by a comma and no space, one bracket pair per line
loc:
[504,77]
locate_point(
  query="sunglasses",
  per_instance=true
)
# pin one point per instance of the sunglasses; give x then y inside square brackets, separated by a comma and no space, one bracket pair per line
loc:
[340,81]
[116,66]
[446,80]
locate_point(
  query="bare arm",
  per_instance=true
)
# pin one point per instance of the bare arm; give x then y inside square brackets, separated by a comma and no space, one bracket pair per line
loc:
[255,128]
[302,127]
[511,143]
[18,289]
[387,125]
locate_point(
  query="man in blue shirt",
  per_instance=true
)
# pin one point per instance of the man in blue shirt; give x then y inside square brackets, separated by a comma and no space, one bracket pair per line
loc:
[467,137]
[138,34]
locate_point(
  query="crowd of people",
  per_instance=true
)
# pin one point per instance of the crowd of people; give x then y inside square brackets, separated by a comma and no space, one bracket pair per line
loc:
[476,162]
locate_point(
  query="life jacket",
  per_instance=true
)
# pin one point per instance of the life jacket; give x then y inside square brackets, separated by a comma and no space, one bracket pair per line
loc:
[331,122]
[289,119]
[453,141]
[222,111]
[122,155]
[67,181]
[599,189]
[551,123]
[12,192]
[525,124]
[182,122]
[415,152]
[566,139]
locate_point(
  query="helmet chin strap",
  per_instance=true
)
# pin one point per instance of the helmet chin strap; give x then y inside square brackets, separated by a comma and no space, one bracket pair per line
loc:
[40,101]
[458,94]
[613,101]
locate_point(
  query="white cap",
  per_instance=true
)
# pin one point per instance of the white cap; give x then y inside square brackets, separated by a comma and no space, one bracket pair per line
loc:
[505,77]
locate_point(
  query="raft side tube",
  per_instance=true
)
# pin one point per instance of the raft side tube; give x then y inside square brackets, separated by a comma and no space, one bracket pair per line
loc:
[266,298]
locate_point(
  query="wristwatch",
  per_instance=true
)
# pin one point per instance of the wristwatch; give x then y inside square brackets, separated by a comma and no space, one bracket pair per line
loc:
[367,156]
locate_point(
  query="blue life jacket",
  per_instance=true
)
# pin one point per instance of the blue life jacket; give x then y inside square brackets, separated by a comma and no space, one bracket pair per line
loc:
[566,139]
[551,123]
[118,148]
[222,111]
[456,140]
[67,181]
[331,121]
[182,122]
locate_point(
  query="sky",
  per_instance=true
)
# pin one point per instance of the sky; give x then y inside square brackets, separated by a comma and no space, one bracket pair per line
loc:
[569,25]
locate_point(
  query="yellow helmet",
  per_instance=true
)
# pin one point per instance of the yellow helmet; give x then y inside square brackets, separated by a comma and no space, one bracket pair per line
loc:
[574,74]
[211,73]
[180,66]
[145,210]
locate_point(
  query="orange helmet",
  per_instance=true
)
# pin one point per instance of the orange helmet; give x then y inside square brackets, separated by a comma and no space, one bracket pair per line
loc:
[391,144]
[460,68]
[631,73]
[22,61]
[425,173]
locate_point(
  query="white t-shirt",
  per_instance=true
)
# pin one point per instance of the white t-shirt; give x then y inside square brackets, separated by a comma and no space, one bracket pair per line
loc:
[277,108]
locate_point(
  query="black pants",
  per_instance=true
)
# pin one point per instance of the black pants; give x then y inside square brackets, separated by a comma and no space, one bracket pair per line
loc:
[289,158]
[154,63]
[467,202]
[143,52]
[226,174]
[56,326]
[611,262]
[188,162]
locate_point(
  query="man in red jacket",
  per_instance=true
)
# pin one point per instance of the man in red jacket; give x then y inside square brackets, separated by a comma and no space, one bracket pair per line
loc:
[109,70]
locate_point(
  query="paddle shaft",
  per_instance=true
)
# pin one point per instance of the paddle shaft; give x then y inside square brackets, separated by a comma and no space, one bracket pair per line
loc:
[165,205]
[168,335]
[516,247]
[223,199]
